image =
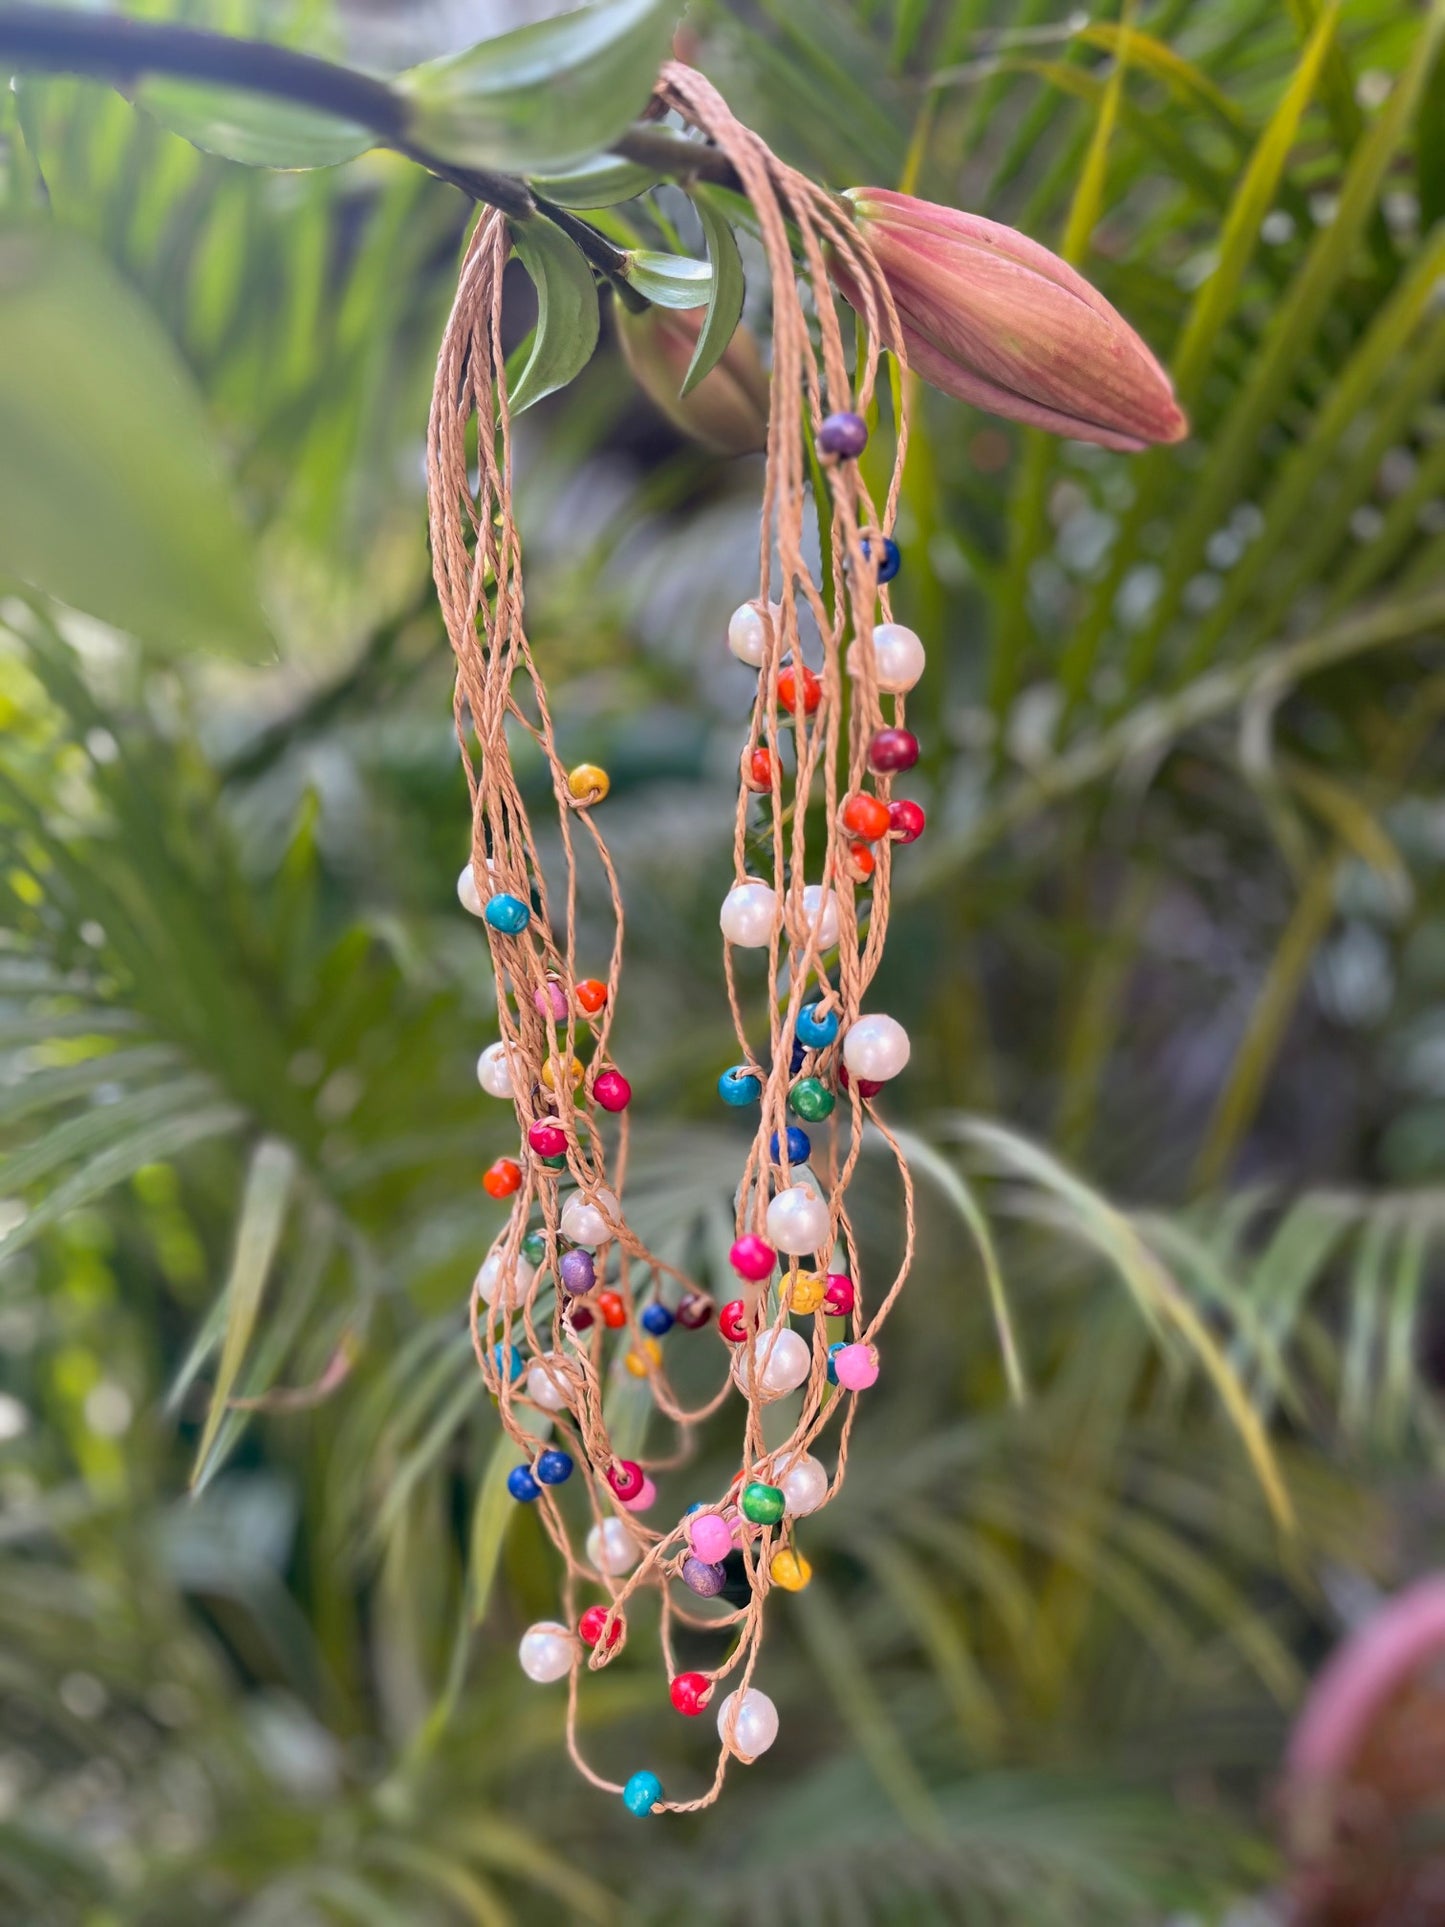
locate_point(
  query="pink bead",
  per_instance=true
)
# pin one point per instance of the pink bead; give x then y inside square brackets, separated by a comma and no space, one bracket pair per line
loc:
[612,1090]
[551,1000]
[856,1367]
[753,1258]
[640,1501]
[710,1538]
[547,1139]
[838,1294]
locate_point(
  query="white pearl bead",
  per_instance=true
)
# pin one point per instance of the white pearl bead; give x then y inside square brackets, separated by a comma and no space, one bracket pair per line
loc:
[518,1280]
[546,1651]
[468,894]
[591,1221]
[898,658]
[749,633]
[494,1071]
[782,1360]
[612,1549]
[822,911]
[550,1382]
[804,1484]
[749,911]
[876,1048]
[755,1727]
[798,1221]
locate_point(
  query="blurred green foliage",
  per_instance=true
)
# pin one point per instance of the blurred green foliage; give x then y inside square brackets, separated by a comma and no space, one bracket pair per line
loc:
[1179,917]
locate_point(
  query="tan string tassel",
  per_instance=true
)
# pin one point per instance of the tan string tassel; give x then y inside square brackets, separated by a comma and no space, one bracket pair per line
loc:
[477,560]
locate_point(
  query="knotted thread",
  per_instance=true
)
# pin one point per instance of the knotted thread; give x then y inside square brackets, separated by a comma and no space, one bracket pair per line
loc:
[477,560]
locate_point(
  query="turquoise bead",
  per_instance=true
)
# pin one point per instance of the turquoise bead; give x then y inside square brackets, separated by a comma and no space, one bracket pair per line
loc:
[508,1361]
[833,1351]
[641,1794]
[739,1086]
[816,1028]
[507,914]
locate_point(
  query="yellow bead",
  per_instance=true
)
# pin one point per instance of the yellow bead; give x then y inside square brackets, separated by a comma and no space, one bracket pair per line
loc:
[805,1293]
[644,1358]
[589,783]
[549,1073]
[790,1570]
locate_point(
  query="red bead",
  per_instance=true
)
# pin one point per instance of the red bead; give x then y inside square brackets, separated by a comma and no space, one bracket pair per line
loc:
[613,1309]
[864,861]
[905,820]
[547,1139]
[591,995]
[626,1477]
[581,1318]
[758,769]
[892,750]
[690,1692]
[788,691]
[589,1626]
[732,1321]
[694,1308]
[504,1177]
[866,816]
[612,1090]
[867,1086]
[753,1258]
[838,1294]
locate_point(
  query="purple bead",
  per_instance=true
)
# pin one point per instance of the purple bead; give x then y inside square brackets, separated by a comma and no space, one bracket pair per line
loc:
[705,1580]
[843,434]
[576,1273]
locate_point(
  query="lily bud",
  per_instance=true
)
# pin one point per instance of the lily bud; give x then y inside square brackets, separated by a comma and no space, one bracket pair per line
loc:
[993,318]
[728,409]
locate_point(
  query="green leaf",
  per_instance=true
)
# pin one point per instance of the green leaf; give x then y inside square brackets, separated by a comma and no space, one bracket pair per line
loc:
[258,1233]
[669,280]
[251,128]
[494,1511]
[567,318]
[601,182]
[725,299]
[546,97]
[112,495]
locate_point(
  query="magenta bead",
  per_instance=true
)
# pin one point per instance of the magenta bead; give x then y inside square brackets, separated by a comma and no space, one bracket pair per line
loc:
[612,1091]
[856,1367]
[892,750]
[753,1258]
[640,1501]
[838,1294]
[710,1537]
[551,1000]
[547,1139]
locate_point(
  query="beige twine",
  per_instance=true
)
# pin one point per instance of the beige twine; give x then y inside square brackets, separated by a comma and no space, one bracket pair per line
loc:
[477,560]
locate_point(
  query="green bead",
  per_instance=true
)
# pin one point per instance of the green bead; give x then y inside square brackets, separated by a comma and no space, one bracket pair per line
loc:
[811,1100]
[558,1163]
[762,1504]
[534,1247]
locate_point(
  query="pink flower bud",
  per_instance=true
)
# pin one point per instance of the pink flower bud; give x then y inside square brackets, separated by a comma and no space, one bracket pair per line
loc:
[993,318]
[728,410]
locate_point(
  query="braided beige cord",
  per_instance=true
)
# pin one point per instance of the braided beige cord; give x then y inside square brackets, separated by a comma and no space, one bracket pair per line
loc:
[499,699]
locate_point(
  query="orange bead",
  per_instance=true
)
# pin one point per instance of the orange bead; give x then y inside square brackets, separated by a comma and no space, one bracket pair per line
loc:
[612,1308]
[865,816]
[758,769]
[788,690]
[591,995]
[864,861]
[501,1179]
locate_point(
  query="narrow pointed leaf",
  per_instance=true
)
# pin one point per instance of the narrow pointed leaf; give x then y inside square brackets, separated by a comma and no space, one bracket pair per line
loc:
[250,128]
[601,182]
[567,316]
[670,280]
[725,297]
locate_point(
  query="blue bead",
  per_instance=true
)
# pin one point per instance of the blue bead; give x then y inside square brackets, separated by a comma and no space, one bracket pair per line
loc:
[507,914]
[892,561]
[833,1351]
[739,1086]
[800,1146]
[641,1794]
[816,1027]
[656,1318]
[522,1485]
[553,1467]
[800,1051]
[508,1360]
